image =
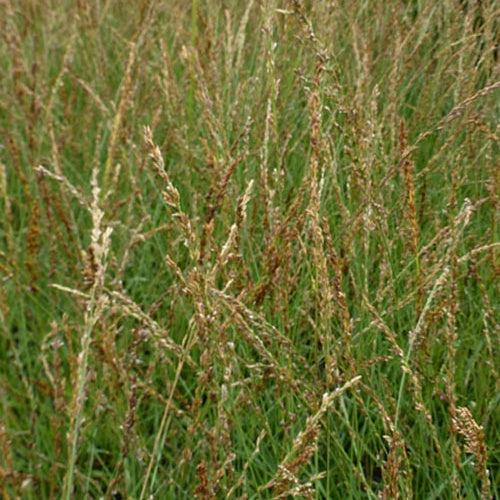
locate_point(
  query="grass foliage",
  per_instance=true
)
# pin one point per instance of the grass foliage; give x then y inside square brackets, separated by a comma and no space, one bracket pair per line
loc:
[249,249]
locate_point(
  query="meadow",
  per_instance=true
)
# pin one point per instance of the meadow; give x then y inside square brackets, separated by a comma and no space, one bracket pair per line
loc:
[249,249]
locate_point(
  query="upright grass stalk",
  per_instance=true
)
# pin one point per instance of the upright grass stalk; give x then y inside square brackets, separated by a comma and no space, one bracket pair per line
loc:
[94,274]
[79,398]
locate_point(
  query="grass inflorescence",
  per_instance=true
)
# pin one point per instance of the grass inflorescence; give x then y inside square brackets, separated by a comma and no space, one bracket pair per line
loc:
[249,249]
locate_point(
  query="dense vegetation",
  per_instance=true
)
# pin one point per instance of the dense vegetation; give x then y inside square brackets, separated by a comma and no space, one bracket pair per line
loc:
[249,249]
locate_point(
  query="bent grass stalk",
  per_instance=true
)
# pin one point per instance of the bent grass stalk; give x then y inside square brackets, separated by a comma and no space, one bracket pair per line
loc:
[163,429]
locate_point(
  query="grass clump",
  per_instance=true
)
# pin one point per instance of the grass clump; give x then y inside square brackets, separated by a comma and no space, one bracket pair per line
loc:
[249,249]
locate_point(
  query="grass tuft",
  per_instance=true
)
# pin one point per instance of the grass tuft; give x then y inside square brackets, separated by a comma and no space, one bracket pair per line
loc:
[249,249]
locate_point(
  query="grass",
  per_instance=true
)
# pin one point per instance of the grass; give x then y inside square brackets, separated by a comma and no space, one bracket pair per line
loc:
[249,249]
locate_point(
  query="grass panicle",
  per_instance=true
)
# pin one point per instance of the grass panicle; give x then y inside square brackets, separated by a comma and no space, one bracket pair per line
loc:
[249,249]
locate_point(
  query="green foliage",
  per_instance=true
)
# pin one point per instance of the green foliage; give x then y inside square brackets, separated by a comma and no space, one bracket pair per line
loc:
[249,249]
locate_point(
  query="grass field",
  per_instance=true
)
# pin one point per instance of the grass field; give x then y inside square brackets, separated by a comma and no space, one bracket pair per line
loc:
[249,249]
